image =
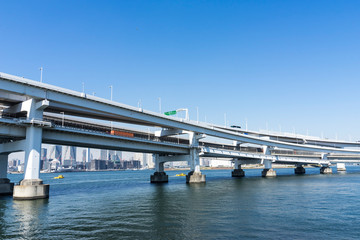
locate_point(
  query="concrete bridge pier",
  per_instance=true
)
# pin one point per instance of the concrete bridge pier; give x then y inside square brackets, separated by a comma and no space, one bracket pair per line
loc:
[268,171]
[237,172]
[6,187]
[299,170]
[159,175]
[325,170]
[32,187]
[341,167]
[195,175]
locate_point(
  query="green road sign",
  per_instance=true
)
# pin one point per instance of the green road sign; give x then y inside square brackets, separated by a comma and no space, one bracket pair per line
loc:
[170,113]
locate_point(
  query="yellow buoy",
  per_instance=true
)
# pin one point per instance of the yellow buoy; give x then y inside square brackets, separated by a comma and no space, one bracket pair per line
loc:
[59,177]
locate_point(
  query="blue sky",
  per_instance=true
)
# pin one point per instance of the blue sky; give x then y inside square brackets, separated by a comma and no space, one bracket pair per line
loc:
[293,64]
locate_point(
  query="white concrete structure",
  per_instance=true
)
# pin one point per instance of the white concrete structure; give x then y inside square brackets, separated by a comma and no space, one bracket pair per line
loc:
[27,101]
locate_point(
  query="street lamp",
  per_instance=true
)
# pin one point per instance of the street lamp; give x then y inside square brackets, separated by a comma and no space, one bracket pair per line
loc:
[41,72]
[63,116]
[111,92]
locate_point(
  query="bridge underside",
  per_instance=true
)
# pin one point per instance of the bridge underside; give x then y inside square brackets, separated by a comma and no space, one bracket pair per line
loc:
[71,137]
[219,153]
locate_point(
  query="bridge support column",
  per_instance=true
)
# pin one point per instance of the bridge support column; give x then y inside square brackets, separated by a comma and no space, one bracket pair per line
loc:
[325,170]
[237,172]
[6,187]
[299,170]
[32,187]
[194,176]
[268,171]
[159,175]
[341,167]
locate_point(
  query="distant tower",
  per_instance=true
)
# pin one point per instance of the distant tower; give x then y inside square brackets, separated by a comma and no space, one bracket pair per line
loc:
[118,155]
[145,159]
[43,159]
[58,153]
[55,152]
[111,155]
[84,155]
[103,154]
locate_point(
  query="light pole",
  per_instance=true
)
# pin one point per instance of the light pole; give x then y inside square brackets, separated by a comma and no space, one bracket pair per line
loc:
[41,72]
[111,92]
[63,116]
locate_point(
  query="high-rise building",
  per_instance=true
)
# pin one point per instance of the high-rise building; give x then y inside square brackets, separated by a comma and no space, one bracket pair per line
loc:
[44,163]
[114,156]
[104,154]
[69,154]
[55,152]
[84,155]
[146,160]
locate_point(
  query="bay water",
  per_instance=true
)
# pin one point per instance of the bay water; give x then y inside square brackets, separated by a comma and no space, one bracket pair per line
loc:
[125,205]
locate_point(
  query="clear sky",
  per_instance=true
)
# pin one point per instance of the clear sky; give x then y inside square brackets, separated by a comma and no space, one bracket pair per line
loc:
[288,64]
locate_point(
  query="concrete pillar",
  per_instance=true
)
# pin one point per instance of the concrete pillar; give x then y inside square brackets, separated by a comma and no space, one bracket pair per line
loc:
[159,175]
[325,170]
[341,167]
[32,187]
[194,176]
[6,188]
[236,145]
[268,171]
[299,170]
[237,172]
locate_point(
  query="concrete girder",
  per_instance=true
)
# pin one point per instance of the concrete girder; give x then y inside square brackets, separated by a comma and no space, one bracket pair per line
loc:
[10,147]
[31,107]
[95,107]
[169,132]
[94,140]
[212,152]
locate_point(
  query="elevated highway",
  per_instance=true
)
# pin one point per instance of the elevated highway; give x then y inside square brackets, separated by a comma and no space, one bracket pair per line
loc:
[15,90]
[33,113]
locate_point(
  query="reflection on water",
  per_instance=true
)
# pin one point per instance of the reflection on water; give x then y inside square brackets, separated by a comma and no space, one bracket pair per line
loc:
[31,215]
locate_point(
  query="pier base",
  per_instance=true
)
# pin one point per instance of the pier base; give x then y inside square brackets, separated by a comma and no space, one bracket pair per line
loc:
[6,187]
[340,167]
[268,172]
[195,177]
[238,173]
[325,170]
[159,177]
[30,189]
[299,170]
